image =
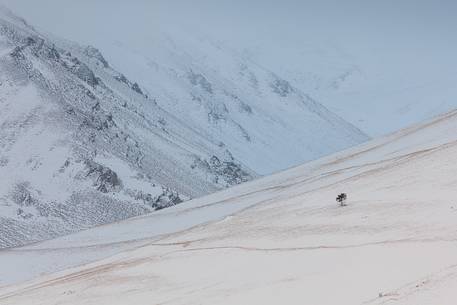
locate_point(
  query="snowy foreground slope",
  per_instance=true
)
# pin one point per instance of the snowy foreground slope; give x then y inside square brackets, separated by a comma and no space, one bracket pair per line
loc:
[281,239]
[81,144]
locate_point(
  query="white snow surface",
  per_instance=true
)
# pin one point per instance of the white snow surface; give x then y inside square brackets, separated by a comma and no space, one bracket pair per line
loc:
[83,144]
[282,239]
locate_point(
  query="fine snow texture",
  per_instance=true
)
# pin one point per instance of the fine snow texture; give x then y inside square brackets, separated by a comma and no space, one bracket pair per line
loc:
[82,144]
[282,239]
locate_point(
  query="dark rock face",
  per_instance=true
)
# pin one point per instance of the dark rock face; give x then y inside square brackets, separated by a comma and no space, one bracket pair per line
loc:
[27,201]
[17,53]
[233,173]
[83,72]
[22,196]
[40,48]
[134,86]
[137,89]
[49,52]
[226,173]
[93,52]
[105,179]
[199,80]
[167,199]
[43,49]
[281,87]
[164,200]
[121,78]
[229,170]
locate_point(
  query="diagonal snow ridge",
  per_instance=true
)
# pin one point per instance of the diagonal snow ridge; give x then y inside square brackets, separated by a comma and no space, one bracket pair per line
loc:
[278,239]
[84,145]
[87,144]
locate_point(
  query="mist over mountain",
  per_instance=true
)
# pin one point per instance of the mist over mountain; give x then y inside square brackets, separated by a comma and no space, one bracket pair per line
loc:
[369,62]
[228,152]
[84,143]
[238,91]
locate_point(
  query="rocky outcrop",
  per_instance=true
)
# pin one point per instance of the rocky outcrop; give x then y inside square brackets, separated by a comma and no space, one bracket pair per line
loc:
[281,87]
[198,80]
[105,179]
[226,172]
[95,53]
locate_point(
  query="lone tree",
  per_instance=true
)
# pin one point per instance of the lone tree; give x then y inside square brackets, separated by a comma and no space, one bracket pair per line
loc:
[342,199]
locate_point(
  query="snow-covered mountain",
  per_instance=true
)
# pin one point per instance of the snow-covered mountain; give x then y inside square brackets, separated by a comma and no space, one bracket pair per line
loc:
[84,144]
[376,102]
[266,122]
[281,239]
[378,68]
[171,106]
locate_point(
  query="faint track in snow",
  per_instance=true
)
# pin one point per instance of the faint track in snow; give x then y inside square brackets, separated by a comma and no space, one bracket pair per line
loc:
[307,248]
[389,163]
[416,287]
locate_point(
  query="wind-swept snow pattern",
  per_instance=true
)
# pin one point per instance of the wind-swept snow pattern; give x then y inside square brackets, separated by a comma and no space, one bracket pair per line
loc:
[281,239]
[82,144]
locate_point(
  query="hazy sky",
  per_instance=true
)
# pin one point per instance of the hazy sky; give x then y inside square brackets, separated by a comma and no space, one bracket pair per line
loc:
[400,44]
[394,32]
[383,30]
[402,23]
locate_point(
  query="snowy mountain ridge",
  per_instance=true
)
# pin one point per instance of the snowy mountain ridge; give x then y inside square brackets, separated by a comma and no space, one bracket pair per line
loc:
[263,241]
[83,150]
[229,94]
[159,167]
[83,145]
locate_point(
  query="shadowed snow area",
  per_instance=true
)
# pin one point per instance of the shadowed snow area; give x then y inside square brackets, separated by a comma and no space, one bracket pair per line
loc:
[281,239]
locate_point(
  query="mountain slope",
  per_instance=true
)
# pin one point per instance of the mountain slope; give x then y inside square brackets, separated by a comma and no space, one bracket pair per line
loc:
[331,52]
[83,145]
[368,98]
[268,123]
[279,239]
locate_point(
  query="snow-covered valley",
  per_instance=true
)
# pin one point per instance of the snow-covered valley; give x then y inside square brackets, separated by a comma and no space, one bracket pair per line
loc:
[83,145]
[176,152]
[282,238]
